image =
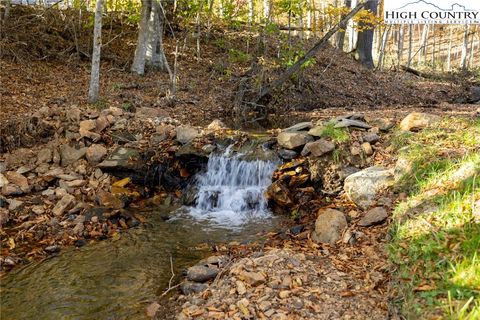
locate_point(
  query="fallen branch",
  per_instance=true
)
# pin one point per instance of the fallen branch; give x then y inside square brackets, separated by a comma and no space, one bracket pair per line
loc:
[293,69]
[414,71]
[170,287]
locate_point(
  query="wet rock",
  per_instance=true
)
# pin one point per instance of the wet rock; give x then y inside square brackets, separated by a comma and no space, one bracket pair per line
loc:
[367,148]
[106,199]
[287,154]
[296,230]
[69,154]
[298,180]
[3,202]
[351,123]
[279,193]
[318,148]
[18,179]
[417,120]
[252,278]
[188,287]
[299,127]
[374,216]
[329,226]
[186,134]
[95,153]
[216,125]
[201,273]
[44,155]
[62,205]
[209,148]
[371,137]
[293,140]
[362,187]
[80,243]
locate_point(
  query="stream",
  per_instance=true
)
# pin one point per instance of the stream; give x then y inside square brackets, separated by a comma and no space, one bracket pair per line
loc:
[119,278]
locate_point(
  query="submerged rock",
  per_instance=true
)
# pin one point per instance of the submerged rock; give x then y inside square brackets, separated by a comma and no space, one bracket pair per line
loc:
[362,187]
[329,226]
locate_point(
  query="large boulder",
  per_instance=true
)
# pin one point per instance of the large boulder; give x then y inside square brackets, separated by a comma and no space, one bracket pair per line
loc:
[293,140]
[362,187]
[329,226]
[418,120]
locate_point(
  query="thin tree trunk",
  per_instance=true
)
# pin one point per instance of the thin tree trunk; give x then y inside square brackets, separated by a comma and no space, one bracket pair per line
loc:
[340,37]
[449,53]
[423,44]
[472,46]
[266,10]
[199,26]
[97,46]
[155,55]
[251,11]
[410,44]
[381,56]
[297,65]
[6,13]
[365,39]
[352,33]
[434,47]
[463,60]
[400,46]
[138,65]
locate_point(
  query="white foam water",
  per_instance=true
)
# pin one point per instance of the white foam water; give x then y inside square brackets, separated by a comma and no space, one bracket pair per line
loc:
[231,190]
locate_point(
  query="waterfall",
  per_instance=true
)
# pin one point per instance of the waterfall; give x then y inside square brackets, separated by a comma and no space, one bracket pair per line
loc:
[231,190]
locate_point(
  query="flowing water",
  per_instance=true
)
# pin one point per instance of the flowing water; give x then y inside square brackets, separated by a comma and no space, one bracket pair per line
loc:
[117,279]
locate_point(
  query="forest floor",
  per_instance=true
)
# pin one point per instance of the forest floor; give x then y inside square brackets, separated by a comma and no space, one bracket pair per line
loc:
[356,281]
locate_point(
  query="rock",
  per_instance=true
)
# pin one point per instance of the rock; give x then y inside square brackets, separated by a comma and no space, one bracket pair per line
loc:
[316,131]
[101,123]
[188,287]
[252,278]
[283,294]
[362,187]
[201,273]
[186,134]
[279,193]
[3,181]
[383,124]
[292,140]
[374,216]
[95,153]
[329,226]
[123,158]
[52,249]
[346,123]
[209,148]
[367,148]
[106,199]
[156,138]
[474,94]
[371,137]
[44,155]
[287,154]
[403,166]
[216,125]
[86,128]
[299,127]
[18,180]
[417,120]
[78,229]
[152,310]
[11,190]
[69,154]
[318,148]
[241,289]
[296,230]
[62,205]
[39,209]
[80,243]
[347,171]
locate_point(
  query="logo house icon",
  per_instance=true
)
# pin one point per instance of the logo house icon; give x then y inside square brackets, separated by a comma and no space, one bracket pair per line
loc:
[427,12]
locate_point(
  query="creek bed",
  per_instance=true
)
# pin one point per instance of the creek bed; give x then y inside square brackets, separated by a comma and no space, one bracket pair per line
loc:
[116,278]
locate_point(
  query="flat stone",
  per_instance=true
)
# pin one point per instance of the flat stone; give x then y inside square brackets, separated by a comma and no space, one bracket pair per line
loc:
[44,155]
[120,158]
[287,154]
[186,134]
[95,153]
[329,226]
[418,120]
[62,205]
[371,137]
[14,204]
[11,190]
[374,216]
[69,154]
[18,180]
[316,131]
[346,123]
[299,127]
[362,187]
[201,273]
[252,278]
[293,140]
[3,180]
[318,148]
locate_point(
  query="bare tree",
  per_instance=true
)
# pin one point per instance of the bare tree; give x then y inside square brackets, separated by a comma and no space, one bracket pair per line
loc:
[138,65]
[97,46]
[340,37]
[155,54]
[464,60]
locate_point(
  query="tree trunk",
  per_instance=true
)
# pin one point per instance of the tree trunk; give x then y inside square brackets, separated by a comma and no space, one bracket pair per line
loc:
[266,10]
[400,46]
[352,33]
[251,11]
[423,44]
[410,44]
[97,46]
[381,55]
[155,55]
[463,60]
[138,65]
[449,52]
[340,37]
[365,39]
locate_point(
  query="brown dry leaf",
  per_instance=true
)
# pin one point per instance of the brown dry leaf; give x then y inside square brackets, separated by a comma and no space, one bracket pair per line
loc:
[121,183]
[11,243]
[424,287]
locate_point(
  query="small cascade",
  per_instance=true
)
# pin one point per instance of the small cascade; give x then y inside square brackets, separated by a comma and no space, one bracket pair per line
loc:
[231,191]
